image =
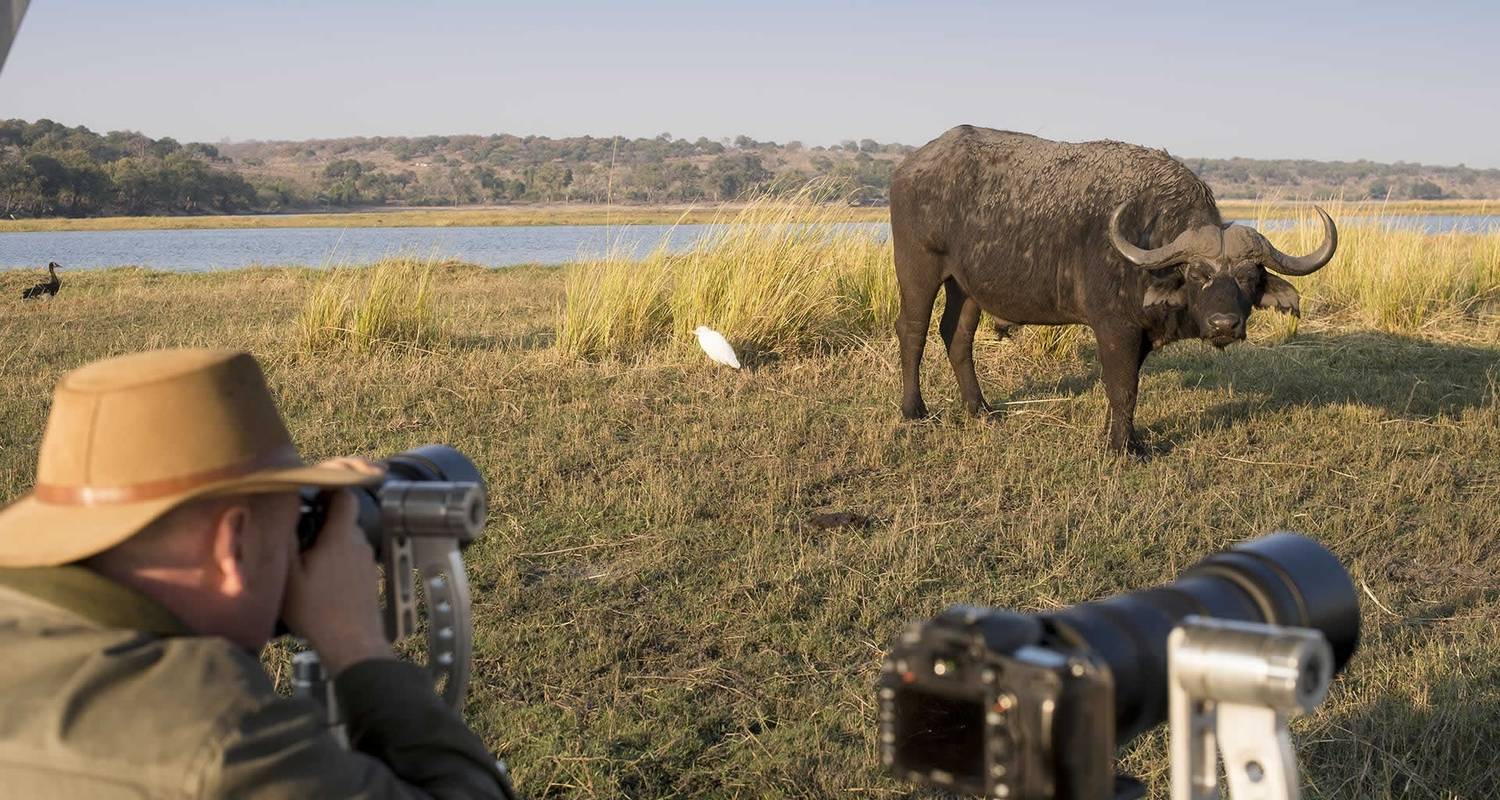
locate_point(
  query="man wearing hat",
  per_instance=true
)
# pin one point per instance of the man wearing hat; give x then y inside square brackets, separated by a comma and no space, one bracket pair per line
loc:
[145,571]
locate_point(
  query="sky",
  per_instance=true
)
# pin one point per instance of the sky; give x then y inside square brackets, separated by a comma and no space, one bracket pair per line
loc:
[1331,81]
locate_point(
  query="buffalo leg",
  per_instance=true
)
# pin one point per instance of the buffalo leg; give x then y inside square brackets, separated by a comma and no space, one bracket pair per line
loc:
[1145,351]
[1121,352]
[919,275]
[959,323]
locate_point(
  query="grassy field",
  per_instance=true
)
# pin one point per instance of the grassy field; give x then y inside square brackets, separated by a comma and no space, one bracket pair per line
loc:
[657,615]
[614,215]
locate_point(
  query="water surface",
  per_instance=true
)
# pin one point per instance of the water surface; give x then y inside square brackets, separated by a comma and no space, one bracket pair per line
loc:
[204,250]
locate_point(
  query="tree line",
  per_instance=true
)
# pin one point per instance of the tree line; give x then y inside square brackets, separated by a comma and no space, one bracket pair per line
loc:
[47,169]
[464,170]
[50,169]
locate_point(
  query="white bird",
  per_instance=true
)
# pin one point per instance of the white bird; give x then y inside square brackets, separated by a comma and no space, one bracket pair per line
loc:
[716,346]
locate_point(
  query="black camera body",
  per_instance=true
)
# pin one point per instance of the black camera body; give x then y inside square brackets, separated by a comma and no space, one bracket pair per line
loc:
[432,490]
[1031,706]
[983,701]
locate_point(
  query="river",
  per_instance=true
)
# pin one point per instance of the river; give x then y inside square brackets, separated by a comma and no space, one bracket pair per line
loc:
[206,250]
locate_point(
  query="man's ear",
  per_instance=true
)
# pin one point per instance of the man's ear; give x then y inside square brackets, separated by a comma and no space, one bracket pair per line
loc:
[1280,295]
[231,526]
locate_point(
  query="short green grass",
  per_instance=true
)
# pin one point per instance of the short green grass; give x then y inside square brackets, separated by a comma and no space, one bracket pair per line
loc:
[657,617]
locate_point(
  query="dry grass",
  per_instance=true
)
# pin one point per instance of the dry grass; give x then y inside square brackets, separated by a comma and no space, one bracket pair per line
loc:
[772,282]
[1392,278]
[359,308]
[657,617]
[774,276]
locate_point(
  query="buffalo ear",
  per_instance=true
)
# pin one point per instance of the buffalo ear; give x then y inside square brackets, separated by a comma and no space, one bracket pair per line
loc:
[1168,292]
[1280,295]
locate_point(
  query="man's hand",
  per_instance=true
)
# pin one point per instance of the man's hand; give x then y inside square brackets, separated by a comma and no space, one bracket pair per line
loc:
[332,595]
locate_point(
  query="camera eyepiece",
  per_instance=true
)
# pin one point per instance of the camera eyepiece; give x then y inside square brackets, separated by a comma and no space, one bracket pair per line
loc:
[993,702]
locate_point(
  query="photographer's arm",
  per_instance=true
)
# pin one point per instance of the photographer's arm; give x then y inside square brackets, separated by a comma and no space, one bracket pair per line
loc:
[407,742]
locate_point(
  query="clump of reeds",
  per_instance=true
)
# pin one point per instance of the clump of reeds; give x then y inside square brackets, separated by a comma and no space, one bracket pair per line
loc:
[359,309]
[1389,276]
[780,274]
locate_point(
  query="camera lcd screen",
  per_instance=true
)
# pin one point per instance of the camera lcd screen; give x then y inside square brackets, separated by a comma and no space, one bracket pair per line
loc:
[939,732]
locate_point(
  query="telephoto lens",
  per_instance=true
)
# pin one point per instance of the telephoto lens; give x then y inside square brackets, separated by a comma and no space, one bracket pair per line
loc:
[1031,706]
[432,490]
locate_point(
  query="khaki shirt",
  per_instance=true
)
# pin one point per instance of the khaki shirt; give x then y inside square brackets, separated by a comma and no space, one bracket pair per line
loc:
[105,694]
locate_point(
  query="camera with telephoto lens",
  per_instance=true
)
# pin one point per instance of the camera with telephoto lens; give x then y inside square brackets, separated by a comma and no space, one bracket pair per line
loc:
[432,490]
[1020,706]
[428,507]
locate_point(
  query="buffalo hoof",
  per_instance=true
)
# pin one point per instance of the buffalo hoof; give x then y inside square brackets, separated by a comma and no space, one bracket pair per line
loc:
[1133,450]
[914,412]
[1127,445]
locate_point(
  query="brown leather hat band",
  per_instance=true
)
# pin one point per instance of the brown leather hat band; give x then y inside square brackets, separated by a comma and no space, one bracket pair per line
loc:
[154,490]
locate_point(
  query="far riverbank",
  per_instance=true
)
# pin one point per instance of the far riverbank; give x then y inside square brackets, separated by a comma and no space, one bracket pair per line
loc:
[538,215]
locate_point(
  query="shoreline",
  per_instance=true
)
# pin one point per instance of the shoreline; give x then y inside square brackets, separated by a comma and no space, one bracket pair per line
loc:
[449,217]
[575,214]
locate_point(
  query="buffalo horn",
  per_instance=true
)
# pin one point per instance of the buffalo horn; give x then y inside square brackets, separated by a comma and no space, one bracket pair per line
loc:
[1146,259]
[1312,262]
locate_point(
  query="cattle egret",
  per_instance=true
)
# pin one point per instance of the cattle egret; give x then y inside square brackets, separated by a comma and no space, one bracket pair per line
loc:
[716,346]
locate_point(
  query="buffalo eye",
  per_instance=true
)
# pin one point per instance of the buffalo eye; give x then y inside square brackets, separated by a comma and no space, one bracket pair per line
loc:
[1248,276]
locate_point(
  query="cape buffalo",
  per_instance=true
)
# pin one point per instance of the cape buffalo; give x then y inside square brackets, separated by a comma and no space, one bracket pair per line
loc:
[1121,238]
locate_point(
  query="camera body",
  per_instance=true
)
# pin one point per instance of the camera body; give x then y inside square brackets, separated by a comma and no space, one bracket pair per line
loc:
[432,490]
[985,701]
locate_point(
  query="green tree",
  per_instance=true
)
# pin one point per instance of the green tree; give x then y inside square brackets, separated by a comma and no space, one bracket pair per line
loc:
[733,174]
[1424,190]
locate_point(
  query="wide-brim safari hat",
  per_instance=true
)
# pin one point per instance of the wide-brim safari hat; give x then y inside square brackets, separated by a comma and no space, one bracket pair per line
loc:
[131,438]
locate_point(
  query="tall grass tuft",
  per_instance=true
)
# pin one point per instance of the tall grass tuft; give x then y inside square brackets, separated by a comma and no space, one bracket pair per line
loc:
[1053,342]
[324,318]
[1392,277]
[776,275]
[389,303]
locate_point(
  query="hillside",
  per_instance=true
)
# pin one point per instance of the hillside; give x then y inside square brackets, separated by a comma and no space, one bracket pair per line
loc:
[48,169]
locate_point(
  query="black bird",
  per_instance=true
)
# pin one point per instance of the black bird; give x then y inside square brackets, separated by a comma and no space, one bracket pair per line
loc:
[48,288]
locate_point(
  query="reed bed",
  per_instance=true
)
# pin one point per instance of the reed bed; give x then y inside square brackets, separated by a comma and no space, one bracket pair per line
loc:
[496,216]
[773,276]
[1390,277]
[778,277]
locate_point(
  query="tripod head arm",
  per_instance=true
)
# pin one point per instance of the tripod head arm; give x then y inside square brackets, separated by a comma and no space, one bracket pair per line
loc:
[426,524]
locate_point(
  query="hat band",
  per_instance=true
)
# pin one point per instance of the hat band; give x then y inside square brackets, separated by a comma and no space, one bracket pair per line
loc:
[154,490]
